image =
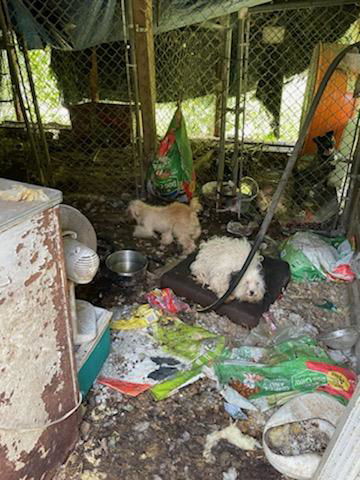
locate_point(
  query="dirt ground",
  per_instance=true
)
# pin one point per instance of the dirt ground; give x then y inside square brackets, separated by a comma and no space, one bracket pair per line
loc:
[124,438]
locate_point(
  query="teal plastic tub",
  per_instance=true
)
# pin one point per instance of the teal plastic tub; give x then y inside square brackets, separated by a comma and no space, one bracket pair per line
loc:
[94,362]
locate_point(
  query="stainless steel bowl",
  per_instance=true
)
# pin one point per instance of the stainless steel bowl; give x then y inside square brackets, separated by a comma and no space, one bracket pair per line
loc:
[342,339]
[129,265]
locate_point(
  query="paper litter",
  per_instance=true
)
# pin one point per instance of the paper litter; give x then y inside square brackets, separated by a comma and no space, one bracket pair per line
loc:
[131,356]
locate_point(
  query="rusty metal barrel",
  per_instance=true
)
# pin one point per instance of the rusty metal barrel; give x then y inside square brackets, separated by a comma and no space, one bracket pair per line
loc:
[39,395]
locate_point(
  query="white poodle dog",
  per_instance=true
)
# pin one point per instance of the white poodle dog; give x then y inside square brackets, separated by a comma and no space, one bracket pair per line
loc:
[218,258]
[175,221]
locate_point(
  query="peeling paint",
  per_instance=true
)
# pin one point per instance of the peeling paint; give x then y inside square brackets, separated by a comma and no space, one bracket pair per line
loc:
[19,247]
[32,279]
[34,257]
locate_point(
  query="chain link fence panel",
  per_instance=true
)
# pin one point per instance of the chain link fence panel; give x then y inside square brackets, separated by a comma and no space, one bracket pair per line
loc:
[291,50]
[83,97]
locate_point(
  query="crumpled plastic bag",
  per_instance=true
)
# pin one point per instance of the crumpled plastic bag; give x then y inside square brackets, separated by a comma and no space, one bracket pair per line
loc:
[315,258]
[166,300]
[19,193]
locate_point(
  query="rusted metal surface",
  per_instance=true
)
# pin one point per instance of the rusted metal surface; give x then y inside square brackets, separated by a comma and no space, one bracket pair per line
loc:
[38,381]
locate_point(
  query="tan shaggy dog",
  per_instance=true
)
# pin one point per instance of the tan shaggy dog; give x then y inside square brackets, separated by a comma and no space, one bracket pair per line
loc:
[175,221]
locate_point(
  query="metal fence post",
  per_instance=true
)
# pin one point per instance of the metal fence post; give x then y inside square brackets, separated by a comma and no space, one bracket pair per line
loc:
[341,459]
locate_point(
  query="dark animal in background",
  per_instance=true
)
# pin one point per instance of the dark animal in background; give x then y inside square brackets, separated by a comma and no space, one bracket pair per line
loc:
[313,172]
[335,163]
[326,145]
[326,157]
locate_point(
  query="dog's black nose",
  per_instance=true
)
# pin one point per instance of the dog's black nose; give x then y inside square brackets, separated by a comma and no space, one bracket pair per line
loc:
[251,293]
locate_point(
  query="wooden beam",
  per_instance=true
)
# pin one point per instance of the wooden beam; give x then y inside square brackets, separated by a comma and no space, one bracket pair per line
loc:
[225,73]
[145,64]
[94,77]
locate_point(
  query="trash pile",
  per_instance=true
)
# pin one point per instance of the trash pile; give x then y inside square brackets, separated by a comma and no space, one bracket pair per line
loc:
[260,372]
[154,350]
[178,384]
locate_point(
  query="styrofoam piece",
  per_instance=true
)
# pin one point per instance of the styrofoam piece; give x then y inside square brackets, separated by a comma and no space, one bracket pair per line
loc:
[304,407]
[86,321]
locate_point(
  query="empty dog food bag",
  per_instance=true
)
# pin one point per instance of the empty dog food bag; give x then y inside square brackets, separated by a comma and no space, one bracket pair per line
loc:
[270,376]
[171,174]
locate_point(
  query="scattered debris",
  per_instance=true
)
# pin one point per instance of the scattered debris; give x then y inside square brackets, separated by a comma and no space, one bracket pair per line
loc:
[327,305]
[297,438]
[233,435]
[140,317]
[238,229]
[122,431]
[234,411]
[231,474]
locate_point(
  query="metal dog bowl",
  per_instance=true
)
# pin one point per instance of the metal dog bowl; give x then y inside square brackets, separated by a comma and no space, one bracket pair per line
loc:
[127,265]
[342,339]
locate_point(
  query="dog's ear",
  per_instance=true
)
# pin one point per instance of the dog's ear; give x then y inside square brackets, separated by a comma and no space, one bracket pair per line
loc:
[132,209]
[137,209]
[330,134]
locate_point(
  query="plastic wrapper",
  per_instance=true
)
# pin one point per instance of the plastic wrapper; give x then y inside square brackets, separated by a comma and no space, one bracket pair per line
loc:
[166,300]
[141,317]
[185,341]
[128,388]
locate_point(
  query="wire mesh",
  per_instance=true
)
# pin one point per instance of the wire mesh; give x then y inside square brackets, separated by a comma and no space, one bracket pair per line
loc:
[84,101]
[288,52]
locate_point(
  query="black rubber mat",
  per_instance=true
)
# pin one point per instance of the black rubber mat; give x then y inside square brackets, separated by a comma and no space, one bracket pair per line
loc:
[276,273]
